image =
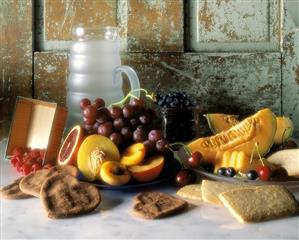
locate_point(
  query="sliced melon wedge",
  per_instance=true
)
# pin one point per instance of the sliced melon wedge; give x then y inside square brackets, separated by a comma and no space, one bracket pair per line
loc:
[258,129]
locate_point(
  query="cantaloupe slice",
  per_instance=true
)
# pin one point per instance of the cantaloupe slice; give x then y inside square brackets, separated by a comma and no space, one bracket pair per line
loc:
[258,129]
[219,122]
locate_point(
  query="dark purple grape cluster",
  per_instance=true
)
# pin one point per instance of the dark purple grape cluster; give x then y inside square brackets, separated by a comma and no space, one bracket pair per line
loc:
[175,99]
[131,123]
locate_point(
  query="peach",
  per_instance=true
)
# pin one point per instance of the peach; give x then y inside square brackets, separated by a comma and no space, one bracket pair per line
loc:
[114,173]
[133,155]
[148,170]
[93,152]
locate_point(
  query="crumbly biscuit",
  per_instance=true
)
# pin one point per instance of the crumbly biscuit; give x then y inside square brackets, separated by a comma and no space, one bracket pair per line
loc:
[13,191]
[259,204]
[212,189]
[192,192]
[152,205]
[32,183]
[64,196]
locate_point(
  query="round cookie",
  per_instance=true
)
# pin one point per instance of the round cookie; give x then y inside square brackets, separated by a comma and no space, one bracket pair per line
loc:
[64,196]
[32,183]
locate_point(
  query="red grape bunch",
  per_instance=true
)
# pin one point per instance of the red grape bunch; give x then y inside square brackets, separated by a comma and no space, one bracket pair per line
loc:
[131,123]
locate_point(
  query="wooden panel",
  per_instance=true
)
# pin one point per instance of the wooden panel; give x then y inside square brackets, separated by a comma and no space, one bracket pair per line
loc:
[231,83]
[235,25]
[50,77]
[145,25]
[61,15]
[155,26]
[16,55]
[290,80]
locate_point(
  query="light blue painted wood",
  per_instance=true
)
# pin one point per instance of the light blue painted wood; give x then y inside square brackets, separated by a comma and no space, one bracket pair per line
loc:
[235,25]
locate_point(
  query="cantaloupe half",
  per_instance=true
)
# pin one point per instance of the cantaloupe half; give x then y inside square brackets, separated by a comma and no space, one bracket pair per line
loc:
[219,122]
[258,129]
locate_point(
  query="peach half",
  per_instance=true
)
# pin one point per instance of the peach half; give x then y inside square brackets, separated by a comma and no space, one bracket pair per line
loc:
[114,173]
[133,155]
[148,170]
[93,152]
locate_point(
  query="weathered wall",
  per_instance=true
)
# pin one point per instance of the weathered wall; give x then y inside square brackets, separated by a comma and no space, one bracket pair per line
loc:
[167,41]
[16,55]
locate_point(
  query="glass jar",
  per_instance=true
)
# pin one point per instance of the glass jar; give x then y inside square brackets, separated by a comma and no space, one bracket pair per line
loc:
[180,124]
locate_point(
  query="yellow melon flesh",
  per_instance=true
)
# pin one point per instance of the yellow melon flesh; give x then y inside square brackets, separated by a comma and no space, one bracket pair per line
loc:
[258,129]
[284,130]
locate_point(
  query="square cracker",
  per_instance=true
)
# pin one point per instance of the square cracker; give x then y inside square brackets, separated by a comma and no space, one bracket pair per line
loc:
[212,189]
[192,192]
[259,204]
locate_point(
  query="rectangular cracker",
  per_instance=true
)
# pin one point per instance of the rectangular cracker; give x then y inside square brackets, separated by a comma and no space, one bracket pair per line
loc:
[259,204]
[212,189]
[192,192]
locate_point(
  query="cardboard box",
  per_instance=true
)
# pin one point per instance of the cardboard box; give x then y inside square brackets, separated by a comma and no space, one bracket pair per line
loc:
[37,124]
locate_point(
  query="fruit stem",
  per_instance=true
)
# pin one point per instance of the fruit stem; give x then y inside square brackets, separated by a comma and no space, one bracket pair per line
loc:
[130,94]
[258,152]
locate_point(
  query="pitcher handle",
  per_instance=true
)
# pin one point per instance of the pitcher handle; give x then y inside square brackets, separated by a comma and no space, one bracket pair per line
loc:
[133,78]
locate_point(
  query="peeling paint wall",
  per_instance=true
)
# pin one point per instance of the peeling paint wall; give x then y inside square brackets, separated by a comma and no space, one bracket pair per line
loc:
[290,72]
[232,25]
[236,64]
[16,56]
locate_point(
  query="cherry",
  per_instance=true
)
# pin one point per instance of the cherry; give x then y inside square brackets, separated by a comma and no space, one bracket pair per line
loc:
[184,177]
[35,167]
[264,173]
[195,159]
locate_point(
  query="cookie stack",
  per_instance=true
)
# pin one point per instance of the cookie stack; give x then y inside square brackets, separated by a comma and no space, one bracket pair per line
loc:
[61,194]
[247,203]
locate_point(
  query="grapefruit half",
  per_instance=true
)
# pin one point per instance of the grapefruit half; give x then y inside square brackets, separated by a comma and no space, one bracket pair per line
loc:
[69,148]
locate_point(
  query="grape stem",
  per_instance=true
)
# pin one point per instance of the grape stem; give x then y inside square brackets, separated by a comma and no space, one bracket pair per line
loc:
[130,94]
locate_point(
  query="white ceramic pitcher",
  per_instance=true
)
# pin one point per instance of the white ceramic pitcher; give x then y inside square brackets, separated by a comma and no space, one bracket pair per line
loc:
[95,69]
